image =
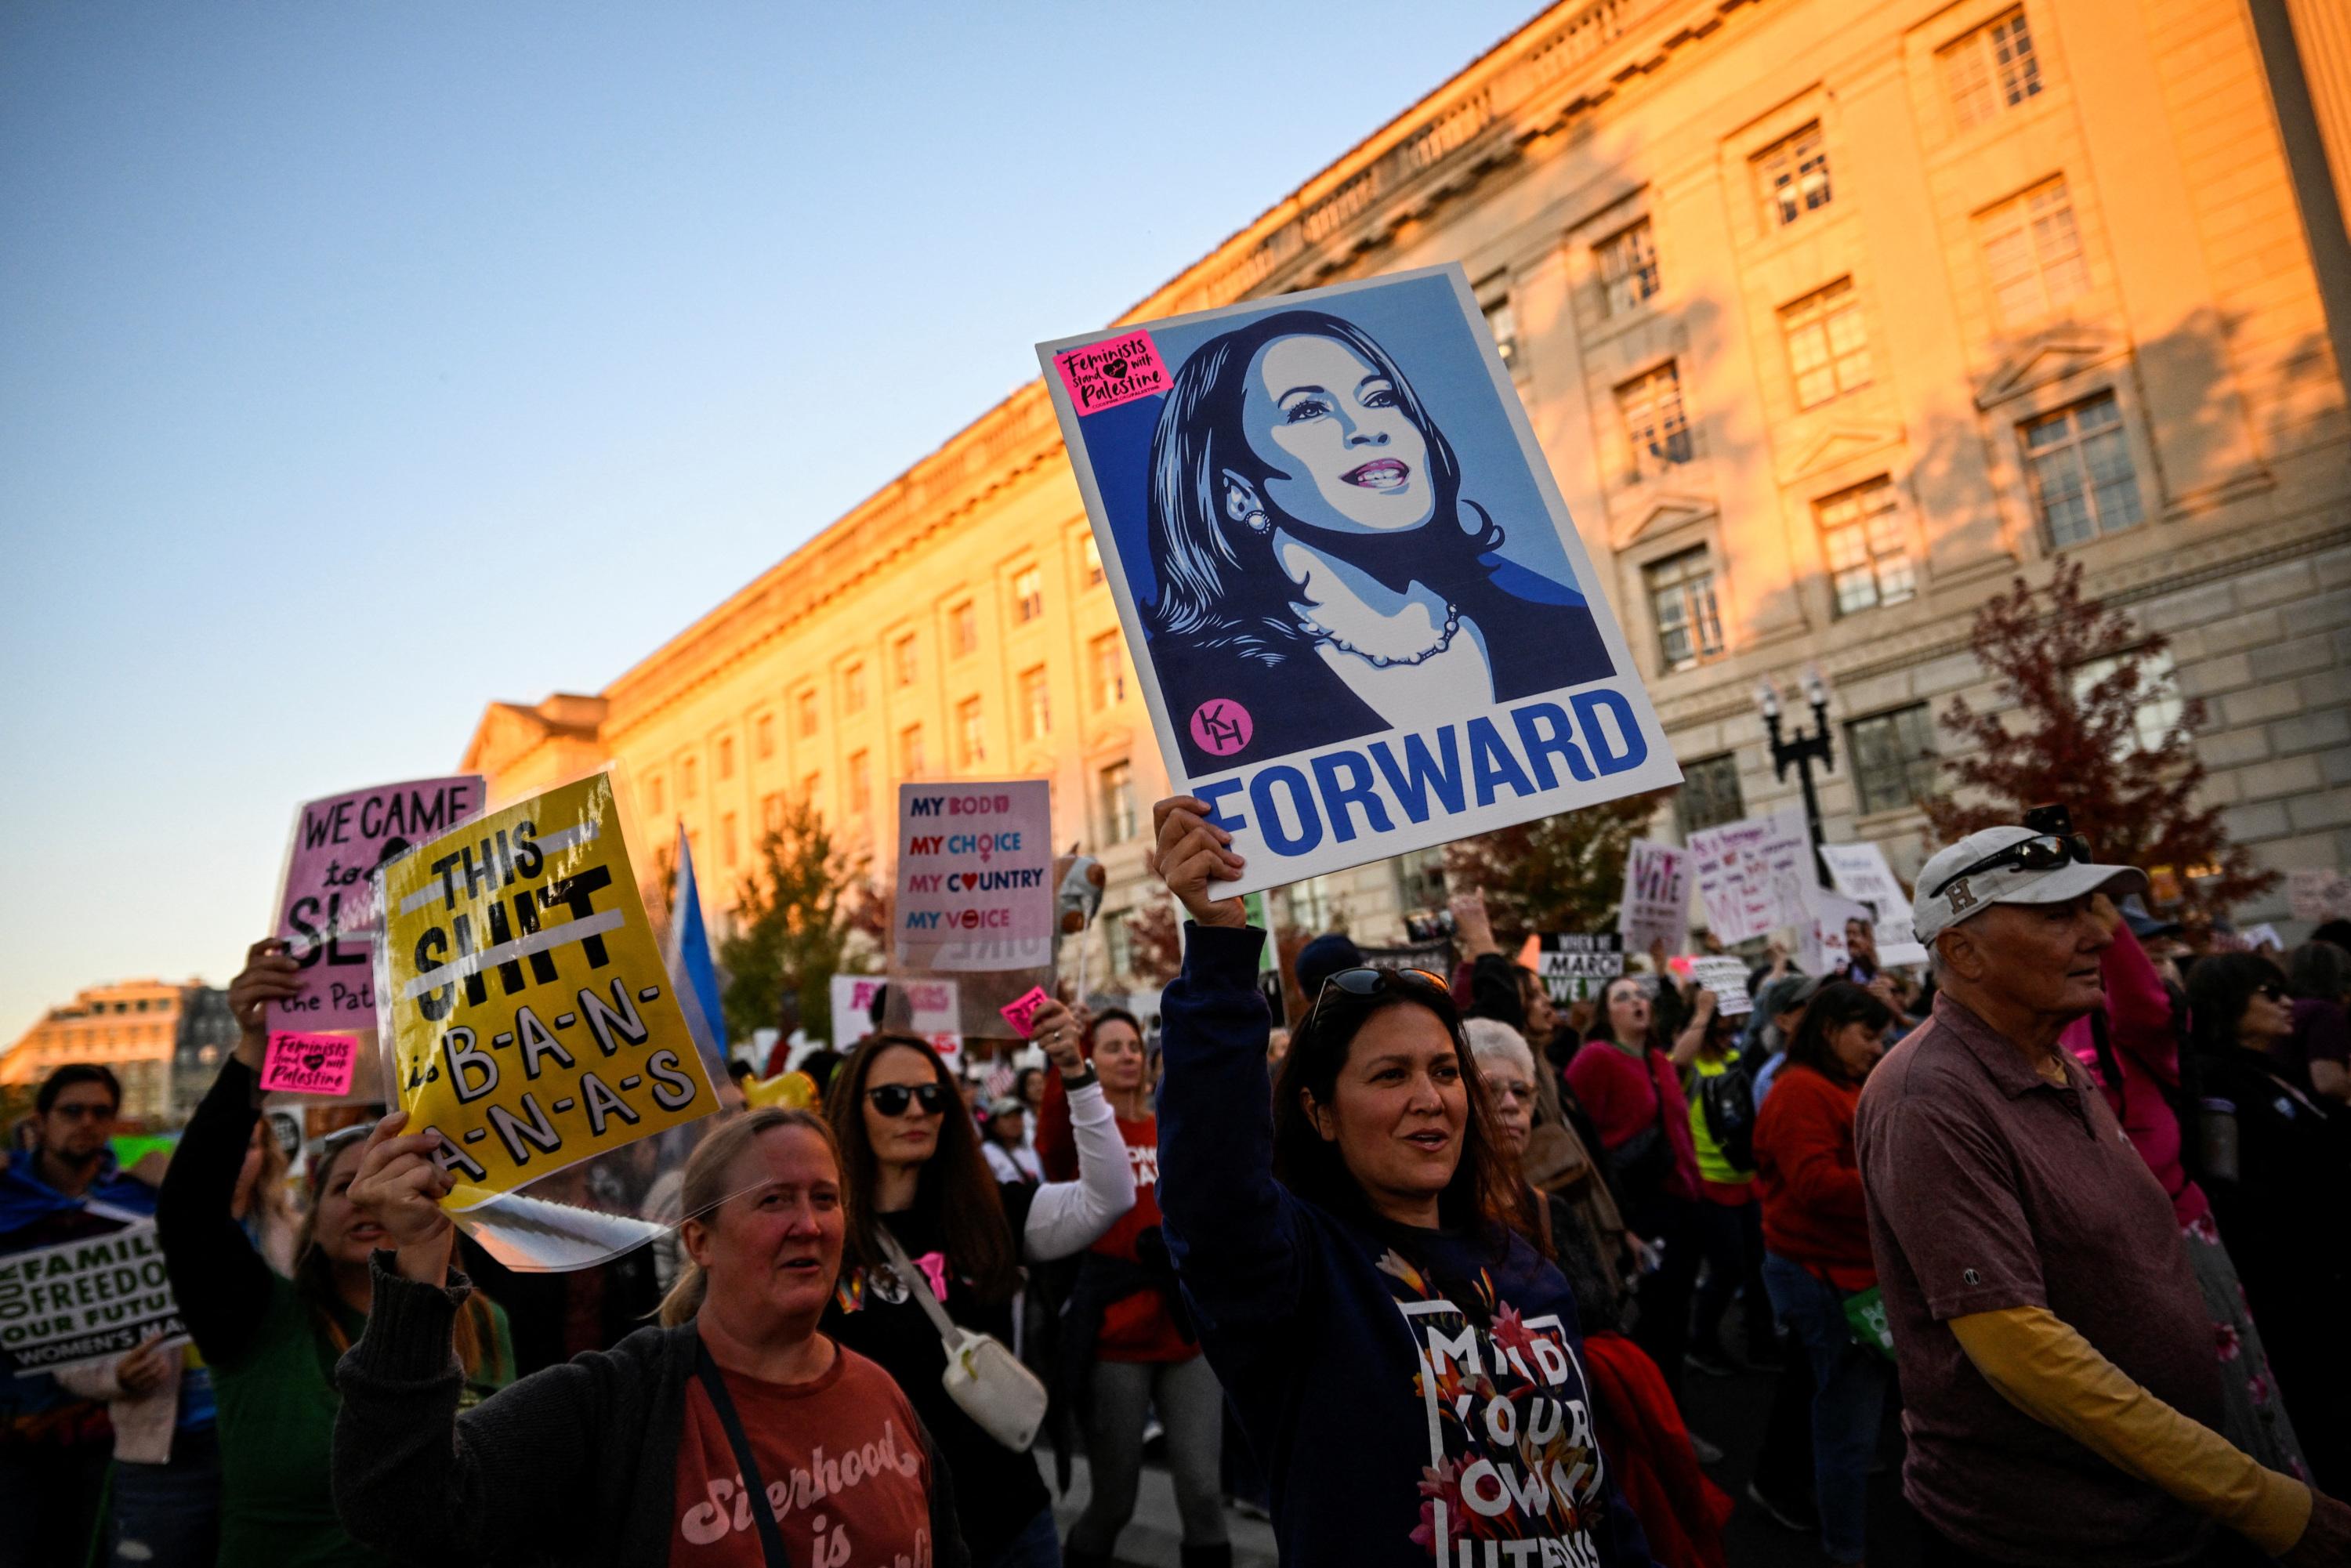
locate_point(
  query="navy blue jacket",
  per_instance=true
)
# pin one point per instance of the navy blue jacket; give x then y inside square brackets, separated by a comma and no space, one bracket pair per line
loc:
[1394,1431]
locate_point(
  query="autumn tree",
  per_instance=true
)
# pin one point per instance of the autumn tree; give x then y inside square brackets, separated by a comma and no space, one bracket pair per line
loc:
[802,908]
[1560,874]
[2075,679]
[1154,941]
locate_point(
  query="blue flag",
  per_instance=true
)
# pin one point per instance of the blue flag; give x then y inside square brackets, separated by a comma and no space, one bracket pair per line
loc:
[690,944]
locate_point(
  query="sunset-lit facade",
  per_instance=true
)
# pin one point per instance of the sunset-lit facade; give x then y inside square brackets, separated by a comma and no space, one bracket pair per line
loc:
[131,1028]
[1832,315]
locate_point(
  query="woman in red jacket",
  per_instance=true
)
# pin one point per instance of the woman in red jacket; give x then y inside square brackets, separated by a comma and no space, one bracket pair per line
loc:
[1816,1242]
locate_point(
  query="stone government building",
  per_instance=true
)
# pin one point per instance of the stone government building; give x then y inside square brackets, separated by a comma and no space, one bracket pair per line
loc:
[1832,315]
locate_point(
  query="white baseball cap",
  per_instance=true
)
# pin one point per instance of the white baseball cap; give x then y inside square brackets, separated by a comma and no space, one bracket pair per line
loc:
[1974,874]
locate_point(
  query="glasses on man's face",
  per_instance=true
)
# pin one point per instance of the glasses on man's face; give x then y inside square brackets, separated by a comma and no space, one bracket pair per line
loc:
[892,1099]
[82,1113]
[1363,985]
[2044,851]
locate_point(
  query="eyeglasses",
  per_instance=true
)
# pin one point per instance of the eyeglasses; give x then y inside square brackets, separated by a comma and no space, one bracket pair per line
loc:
[1511,1089]
[2270,989]
[2044,851]
[1362,985]
[892,1099]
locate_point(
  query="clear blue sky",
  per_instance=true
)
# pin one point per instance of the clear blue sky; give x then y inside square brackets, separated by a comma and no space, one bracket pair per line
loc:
[361,364]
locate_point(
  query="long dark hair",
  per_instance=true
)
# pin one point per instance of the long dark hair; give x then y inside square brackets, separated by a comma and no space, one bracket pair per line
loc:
[1604,1027]
[1219,584]
[474,1336]
[955,1187]
[1832,1007]
[2219,989]
[1479,1200]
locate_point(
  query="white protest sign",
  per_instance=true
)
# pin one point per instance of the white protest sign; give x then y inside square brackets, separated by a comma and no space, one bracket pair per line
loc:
[1752,875]
[1656,906]
[1362,617]
[84,1300]
[1726,978]
[2318,894]
[932,1008]
[1820,947]
[1574,965]
[2263,936]
[1860,872]
[975,875]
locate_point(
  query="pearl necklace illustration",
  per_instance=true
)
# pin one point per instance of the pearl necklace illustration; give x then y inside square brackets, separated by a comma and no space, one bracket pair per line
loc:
[1382,661]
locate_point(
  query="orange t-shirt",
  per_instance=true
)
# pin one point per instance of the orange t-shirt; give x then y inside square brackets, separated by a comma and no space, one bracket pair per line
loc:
[842,1459]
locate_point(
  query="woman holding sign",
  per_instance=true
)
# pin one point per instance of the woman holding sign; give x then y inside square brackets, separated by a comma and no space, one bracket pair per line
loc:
[925,1215]
[270,1342]
[1408,1369]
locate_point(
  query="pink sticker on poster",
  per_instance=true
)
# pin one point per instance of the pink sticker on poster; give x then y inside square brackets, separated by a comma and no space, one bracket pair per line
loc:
[309,1064]
[1021,1011]
[1118,369]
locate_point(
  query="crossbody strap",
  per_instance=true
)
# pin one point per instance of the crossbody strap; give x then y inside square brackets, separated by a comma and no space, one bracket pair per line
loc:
[918,1285]
[771,1537]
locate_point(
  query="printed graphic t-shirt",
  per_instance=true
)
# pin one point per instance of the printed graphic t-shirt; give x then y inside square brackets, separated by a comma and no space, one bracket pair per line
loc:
[841,1459]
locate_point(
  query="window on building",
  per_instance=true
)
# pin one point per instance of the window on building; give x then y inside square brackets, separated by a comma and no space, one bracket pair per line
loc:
[1503,323]
[1828,346]
[861,784]
[971,738]
[763,736]
[905,662]
[727,847]
[2079,462]
[1117,797]
[1118,941]
[2032,253]
[811,786]
[1027,594]
[1093,562]
[910,752]
[689,783]
[1657,429]
[1869,549]
[1710,795]
[963,629]
[1681,596]
[805,705]
[1420,880]
[852,689]
[654,794]
[726,753]
[772,814]
[1990,70]
[1036,704]
[1893,757]
[1628,268]
[1106,671]
[1792,176]
[2159,707]
[1307,905]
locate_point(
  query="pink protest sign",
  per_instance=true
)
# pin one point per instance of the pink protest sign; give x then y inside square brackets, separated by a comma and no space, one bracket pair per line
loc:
[326,903]
[1104,375]
[300,1063]
[1021,1011]
[975,876]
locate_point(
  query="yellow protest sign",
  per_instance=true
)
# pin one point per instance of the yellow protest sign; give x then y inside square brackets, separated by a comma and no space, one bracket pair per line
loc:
[530,1015]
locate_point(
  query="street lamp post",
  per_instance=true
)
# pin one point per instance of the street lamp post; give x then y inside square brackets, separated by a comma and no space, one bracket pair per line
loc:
[1801,750]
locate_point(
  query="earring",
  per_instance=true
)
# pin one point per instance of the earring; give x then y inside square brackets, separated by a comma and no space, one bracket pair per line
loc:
[1257,523]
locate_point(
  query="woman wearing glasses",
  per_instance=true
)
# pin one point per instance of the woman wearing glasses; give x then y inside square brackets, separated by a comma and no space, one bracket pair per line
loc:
[270,1342]
[914,1175]
[1408,1368]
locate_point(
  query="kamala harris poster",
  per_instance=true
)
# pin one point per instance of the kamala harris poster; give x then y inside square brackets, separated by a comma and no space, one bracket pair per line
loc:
[1362,618]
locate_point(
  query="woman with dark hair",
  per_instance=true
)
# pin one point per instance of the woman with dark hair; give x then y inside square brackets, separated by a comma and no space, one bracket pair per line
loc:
[2318,1052]
[1408,1368]
[735,1433]
[916,1182]
[1816,1243]
[270,1342]
[1317,560]
[2277,1164]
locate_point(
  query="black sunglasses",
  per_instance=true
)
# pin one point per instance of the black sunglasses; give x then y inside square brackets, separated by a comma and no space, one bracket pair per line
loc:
[892,1099]
[2270,989]
[2044,851]
[1362,985]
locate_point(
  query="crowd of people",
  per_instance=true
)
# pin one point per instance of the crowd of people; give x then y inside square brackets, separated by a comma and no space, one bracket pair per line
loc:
[1418,1279]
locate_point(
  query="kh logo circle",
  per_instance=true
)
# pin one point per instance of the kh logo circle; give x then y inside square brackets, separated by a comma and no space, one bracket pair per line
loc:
[1221,726]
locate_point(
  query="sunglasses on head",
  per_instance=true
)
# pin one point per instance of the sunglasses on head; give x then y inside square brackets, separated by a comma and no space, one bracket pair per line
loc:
[892,1099]
[1363,985]
[2044,852]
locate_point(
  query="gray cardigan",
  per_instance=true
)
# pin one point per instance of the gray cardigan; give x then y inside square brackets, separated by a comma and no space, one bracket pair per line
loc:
[576,1463]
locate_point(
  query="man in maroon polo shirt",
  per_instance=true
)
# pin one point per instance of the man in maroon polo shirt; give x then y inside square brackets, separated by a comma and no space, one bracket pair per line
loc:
[2059,1377]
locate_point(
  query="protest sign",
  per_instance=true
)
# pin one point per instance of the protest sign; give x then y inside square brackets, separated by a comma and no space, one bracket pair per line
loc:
[928,1007]
[975,875]
[2318,894]
[309,1064]
[1362,617]
[1859,870]
[1752,875]
[1436,957]
[528,1019]
[84,1300]
[2263,936]
[1021,1011]
[1821,946]
[326,899]
[1574,964]
[1656,906]
[1725,977]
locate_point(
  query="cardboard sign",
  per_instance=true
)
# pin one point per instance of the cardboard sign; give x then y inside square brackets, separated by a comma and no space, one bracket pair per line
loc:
[84,1300]
[1725,977]
[309,1064]
[1362,617]
[1574,964]
[975,876]
[527,1016]
[1655,906]
[931,1008]
[1752,875]
[326,899]
[2318,895]
[1021,1011]
[1860,872]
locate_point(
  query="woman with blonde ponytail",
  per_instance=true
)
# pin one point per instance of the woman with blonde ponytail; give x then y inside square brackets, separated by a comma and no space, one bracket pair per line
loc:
[735,1433]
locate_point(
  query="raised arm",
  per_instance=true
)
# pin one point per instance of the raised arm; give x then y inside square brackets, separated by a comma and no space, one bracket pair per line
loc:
[221,1284]
[1069,1217]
